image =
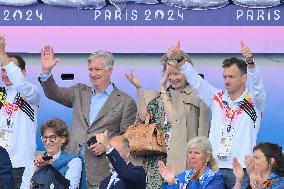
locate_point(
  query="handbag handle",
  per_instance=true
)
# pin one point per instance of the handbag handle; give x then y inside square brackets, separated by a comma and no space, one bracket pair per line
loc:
[160,137]
[147,118]
[146,122]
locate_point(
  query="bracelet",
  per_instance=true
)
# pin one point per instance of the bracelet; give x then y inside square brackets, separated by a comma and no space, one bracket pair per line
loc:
[181,58]
[164,95]
[165,100]
[251,62]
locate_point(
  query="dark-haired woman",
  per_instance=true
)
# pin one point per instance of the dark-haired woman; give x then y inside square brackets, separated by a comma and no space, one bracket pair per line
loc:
[55,136]
[265,167]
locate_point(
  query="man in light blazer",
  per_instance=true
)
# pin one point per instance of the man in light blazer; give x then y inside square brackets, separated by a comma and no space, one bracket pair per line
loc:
[124,174]
[95,109]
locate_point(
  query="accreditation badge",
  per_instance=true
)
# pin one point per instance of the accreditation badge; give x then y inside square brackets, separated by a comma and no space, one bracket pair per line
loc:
[6,138]
[226,141]
[6,132]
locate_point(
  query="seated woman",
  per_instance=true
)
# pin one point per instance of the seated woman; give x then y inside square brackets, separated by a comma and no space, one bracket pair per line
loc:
[55,137]
[203,173]
[265,168]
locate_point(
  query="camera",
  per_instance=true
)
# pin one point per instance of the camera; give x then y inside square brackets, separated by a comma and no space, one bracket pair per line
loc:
[92,141]
[46,157]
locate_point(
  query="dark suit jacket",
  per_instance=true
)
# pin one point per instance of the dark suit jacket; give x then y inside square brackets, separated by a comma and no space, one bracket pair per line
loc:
[118,112]
[5,167]
[131,177]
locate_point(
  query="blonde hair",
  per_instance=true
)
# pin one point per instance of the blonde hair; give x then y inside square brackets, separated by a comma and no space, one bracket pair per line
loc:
[165,60]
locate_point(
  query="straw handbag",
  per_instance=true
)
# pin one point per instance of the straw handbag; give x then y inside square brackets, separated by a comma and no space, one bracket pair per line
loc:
[146,139]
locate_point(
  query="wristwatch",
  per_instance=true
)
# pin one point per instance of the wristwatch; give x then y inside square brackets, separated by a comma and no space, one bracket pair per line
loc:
[181,58]
[251,61]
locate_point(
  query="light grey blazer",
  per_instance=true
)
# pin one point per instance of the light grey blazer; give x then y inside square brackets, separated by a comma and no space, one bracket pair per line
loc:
[118,112]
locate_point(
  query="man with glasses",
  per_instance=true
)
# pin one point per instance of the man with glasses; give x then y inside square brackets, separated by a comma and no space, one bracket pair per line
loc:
[95,109]
[19,102]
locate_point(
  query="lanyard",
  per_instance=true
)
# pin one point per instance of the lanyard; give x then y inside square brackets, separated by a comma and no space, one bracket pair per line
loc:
[269,180]
[10,108]
[201,179]
[229,114]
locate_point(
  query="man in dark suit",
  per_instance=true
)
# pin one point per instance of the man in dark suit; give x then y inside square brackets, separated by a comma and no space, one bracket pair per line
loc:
[5,169]
[95,109]
[124,174]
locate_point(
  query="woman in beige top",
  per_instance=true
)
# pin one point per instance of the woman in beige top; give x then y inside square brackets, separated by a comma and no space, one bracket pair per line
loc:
[178,111]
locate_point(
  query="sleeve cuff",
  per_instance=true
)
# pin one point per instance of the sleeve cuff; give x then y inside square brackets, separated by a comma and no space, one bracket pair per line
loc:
[110,150]
[186,67]
[44,77]
[11,66]
[253,70]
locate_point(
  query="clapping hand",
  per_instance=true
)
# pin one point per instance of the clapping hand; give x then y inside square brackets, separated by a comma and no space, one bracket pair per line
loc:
[168,173]
[197,168]
[238,170]
[254,175]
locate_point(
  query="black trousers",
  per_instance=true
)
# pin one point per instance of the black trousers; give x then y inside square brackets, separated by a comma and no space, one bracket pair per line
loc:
[17,174]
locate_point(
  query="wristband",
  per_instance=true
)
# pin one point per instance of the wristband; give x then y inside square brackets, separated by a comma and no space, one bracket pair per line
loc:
[250,62]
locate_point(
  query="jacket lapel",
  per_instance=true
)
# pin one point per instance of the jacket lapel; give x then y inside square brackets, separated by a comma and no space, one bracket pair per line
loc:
[87,95]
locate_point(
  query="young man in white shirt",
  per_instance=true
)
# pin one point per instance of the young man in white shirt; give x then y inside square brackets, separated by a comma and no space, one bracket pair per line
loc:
[236,112]
[19,102]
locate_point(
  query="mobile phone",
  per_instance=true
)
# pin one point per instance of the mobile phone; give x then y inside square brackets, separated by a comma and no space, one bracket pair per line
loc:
[46,157]
[92,141]
[67,76]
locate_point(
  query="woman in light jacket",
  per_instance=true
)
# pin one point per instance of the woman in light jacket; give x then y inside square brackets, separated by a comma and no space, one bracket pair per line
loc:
[178,111]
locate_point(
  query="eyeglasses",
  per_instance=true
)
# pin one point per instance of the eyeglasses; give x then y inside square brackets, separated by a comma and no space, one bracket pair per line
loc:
[51,138]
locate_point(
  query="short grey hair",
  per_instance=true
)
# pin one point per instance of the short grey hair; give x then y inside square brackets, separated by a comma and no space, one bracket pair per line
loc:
[200,141]
[203,143]
[105,55]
